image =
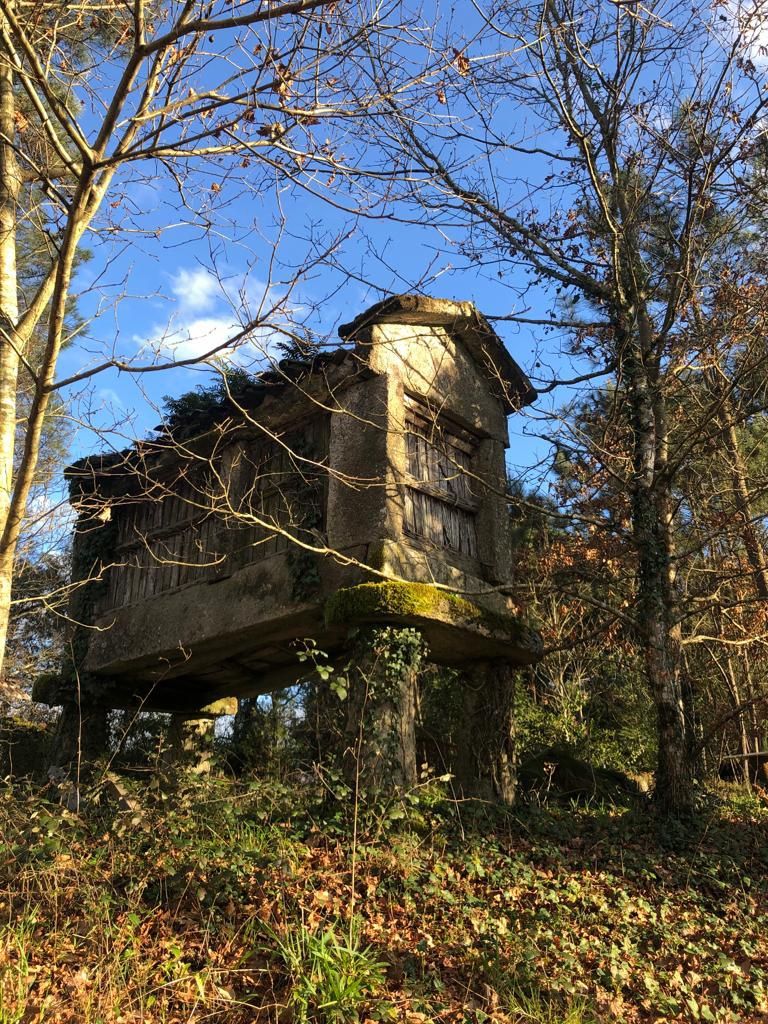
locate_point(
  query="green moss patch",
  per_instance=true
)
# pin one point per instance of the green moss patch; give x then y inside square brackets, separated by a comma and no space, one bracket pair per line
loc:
[409,601]
[52,688]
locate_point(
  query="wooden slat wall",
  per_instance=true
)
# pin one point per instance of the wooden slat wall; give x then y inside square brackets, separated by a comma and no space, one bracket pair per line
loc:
[182,537]
[440,523]
[440,505]
[277,487]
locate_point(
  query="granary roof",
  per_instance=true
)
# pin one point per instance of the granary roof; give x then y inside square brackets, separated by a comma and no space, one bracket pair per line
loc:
[265,389]
[464,321]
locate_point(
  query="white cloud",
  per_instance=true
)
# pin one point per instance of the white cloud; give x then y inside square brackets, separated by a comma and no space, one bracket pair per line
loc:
[209,314]
[190,338]
[197,290]
[109,398]
[747,21]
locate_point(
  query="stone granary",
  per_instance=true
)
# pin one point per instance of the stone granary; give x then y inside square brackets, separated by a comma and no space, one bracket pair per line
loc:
[359,487]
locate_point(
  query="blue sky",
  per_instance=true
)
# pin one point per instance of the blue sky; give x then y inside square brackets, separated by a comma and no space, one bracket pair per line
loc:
[165,281]
[168,279]
[186,291]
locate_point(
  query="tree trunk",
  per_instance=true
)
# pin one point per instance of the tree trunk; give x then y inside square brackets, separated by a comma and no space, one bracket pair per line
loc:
[659,632]
[753,545]
[674,783]
[744,743]
[380,749]
[17,468]
[10,187]
[760,775]
[693,727]
[749,535]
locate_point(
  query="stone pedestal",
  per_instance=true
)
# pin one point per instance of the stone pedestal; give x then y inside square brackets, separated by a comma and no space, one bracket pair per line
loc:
[484,762]
[380,738]
[188,744]
[80,738]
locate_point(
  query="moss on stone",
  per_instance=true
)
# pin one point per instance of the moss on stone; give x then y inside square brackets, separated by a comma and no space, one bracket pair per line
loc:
[23,747]
[223,706]
[413,601]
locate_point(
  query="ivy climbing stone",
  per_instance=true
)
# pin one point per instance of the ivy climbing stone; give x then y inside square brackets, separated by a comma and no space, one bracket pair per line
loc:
[381,701]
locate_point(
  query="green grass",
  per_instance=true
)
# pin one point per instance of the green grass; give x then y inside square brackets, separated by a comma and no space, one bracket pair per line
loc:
[233,904]
[16,974]
[331,974]
[537,1007]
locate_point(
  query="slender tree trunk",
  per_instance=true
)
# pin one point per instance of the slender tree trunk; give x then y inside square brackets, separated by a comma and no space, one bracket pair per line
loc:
[657,626]
[92,179]
[696,752]
[744,743]
[737,468]
[738,697]
[749,535]
[10,187]
[756,723]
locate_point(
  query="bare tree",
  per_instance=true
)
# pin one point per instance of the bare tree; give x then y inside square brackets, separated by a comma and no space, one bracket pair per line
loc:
[604,150]
[202,100]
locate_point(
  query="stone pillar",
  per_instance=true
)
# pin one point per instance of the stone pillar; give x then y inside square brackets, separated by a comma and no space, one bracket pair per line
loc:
[484,763]
[79,739]
[380,740]
[188,744]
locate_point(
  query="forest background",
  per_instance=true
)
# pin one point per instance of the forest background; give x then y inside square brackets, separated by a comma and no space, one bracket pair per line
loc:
[591,175]
[188,190]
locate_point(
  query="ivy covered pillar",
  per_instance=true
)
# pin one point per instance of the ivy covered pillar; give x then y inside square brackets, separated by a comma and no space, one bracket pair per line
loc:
[189,742]
[485,760]
[380,740]
[383,683]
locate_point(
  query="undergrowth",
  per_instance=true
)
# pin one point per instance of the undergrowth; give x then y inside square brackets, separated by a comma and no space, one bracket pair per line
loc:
[230,903]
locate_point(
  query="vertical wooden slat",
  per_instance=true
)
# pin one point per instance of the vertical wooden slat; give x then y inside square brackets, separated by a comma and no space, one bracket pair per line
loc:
[439,459]
[136,574]
[209,547]
[175,569]
[261,476]
[145,577]
[180,571]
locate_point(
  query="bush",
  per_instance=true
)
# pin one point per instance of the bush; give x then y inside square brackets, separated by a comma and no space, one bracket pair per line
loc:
[23,747]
